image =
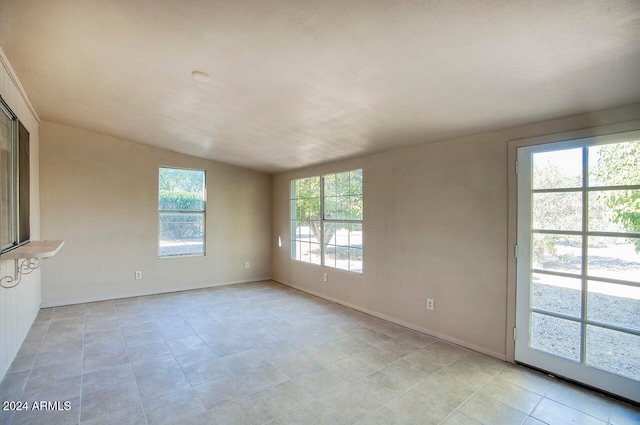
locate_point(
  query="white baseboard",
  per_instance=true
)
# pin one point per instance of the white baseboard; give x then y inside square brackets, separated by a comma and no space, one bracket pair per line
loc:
[144,294]
[377,314]
[448,338]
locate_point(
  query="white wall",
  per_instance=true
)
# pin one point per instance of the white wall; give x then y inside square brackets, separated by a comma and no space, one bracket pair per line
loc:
[435,226]
[100,194]
[19,306]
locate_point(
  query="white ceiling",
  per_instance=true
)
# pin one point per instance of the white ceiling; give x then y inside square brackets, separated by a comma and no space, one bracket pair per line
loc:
[301,82]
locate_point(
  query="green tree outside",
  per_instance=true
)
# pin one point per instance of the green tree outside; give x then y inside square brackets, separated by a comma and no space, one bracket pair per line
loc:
[342,201]
[619,164]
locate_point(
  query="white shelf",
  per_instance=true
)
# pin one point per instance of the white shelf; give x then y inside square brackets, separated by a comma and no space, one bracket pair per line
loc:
[27,258]
[34,249]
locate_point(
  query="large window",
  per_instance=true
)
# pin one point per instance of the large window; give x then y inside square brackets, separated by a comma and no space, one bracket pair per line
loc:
[14,180]
[326,220]
[181,210]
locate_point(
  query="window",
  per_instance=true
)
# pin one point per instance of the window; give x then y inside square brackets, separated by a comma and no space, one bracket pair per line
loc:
[326,220]
[181,210]
[306,226]
[14,175]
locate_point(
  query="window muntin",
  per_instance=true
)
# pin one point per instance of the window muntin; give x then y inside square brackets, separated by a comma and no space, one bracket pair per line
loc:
[326,220]
[14,180]
[181,212]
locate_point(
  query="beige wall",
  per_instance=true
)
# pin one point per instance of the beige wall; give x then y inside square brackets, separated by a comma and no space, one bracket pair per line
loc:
[100,194]
[19,306]
[435,226]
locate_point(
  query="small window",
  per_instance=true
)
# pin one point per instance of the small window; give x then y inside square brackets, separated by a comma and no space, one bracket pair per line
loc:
[181,211]
[14,177]
[326,220]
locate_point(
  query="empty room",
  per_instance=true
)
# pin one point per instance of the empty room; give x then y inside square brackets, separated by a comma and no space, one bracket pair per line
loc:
[309,212]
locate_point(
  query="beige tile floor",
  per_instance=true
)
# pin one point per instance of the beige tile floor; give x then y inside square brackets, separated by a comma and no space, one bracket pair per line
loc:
[263,353]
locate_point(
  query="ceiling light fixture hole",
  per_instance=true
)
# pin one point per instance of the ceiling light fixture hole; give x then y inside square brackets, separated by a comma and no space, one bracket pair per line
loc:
[201,76]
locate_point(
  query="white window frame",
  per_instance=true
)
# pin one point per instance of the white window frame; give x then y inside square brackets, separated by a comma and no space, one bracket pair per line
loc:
[323,220]
[202,212]
[572,369]
[15,199]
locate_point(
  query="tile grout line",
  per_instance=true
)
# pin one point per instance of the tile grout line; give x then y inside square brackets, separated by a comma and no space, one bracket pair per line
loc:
[33,366]
[469,398]
[144,413]
[557,382]
[406,391]
[154,313]
[84,323]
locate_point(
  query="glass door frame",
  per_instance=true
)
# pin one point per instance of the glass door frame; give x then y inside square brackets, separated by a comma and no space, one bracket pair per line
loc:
[523,353]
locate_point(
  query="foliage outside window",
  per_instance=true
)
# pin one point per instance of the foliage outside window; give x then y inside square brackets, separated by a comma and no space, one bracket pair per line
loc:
[612,178]
[181,208]
[619,164]
[326,220]
[14,180]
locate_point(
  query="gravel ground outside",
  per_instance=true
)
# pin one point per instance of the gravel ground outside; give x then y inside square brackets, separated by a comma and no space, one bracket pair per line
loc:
[608,350]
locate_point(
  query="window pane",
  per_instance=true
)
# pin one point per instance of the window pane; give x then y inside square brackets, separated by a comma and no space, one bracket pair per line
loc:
[613,351]
[615,164]
[614,304]
[355,207]
[355,182]
[557,211]
[315,253]
[355,247]
[330,256]
[305,188]
[181,234]
[23,217]
[305,216]
[561,253]
[181,190]
[343,249]
[330,185]
[337,208]
[355,260]
[331,207]
[556,294]
[555,336]
[614,211]
[557,169]
[343,196]
[6,174]
[615,258]
[303,209]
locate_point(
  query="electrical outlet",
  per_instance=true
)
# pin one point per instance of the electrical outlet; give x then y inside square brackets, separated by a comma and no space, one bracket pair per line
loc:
[246,265]
[430,304]
[138,275]
[325,278]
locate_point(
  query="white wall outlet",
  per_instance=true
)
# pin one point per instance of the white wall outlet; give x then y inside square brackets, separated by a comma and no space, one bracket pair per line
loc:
[246,265]
[430,304]
[138,274]
[325,277]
